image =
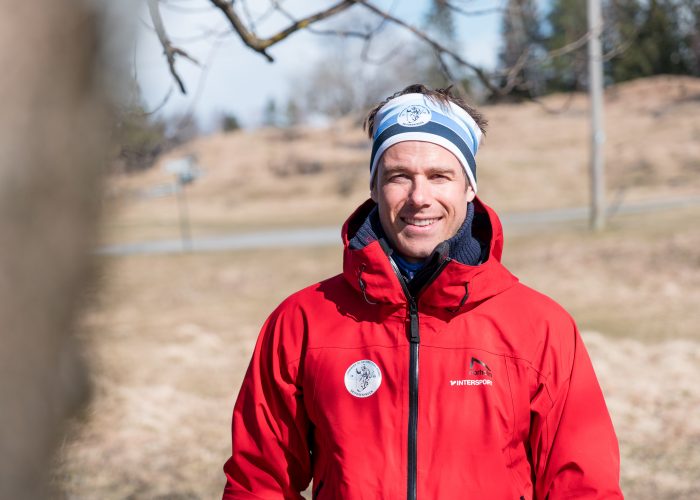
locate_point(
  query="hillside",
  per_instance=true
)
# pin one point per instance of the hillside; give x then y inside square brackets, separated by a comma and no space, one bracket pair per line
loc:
[168,337]
[535,156]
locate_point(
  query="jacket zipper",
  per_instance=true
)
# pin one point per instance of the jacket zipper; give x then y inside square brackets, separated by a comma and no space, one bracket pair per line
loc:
[414,340]
[318,489]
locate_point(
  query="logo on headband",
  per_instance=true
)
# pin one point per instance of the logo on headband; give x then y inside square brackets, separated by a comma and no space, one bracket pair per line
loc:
[414,116]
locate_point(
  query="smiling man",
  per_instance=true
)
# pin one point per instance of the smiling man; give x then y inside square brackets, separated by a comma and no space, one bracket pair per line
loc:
[424,370]
[422,196]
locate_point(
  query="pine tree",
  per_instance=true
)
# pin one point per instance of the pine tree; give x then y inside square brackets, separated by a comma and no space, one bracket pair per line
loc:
[655,44]
[293,113]
[270,118]
[522,39]
[440,22]
[567,22]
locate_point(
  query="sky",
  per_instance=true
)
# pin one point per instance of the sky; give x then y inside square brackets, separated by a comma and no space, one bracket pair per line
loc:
[234,79]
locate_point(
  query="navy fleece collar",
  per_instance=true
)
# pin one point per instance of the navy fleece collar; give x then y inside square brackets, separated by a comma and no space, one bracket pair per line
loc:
[463,247]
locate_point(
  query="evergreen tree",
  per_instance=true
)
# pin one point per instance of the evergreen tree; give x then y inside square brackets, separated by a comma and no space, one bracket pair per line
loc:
[440,23]
[440,20]
[270,118]
[293,113]
[521,35]
[656,42]
[567,22]
[229,122]
[690,15]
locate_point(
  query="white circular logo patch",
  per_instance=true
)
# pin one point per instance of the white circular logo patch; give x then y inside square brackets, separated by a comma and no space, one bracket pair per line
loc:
[414,116]
[363,378]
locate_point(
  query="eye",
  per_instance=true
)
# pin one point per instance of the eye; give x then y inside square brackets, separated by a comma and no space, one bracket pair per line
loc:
[399,177]
[441,177]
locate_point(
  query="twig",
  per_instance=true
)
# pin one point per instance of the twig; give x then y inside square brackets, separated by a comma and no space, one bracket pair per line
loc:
[261,45]
[454,82]
[364,35]
[170,50]
[160,105]
[514,71]
[478,12]
[437,46]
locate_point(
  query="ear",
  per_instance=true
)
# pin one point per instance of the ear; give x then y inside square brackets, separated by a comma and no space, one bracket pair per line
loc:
[470,194]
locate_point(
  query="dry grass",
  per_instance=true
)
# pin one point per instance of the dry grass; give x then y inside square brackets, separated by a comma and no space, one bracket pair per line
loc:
[278,178]
[170,337]
[639,279]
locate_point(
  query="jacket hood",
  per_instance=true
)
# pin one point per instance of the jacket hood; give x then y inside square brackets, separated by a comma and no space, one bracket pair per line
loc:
[458,287]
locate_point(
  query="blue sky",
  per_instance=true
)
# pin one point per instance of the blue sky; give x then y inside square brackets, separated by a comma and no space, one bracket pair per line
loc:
[240,81]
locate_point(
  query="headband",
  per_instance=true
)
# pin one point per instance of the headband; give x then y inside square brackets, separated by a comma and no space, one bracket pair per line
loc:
[416,117]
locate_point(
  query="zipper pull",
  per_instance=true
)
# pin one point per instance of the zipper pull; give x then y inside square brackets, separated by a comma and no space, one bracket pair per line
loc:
[414,337]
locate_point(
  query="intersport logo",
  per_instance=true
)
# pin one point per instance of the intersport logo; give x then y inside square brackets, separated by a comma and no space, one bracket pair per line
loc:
[477,368]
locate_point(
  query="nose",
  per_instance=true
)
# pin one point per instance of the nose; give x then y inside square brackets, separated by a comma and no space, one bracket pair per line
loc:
[420,192]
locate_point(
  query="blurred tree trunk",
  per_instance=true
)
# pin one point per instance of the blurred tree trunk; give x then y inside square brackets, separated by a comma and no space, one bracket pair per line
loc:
[52,146]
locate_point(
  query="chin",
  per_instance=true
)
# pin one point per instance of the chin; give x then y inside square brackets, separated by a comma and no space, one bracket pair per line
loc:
[415,253]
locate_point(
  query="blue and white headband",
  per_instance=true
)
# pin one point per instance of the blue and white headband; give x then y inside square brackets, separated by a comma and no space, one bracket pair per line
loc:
[416,117]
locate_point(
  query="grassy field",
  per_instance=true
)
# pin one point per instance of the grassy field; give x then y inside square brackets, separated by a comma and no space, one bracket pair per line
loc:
[169,338]
[534,156]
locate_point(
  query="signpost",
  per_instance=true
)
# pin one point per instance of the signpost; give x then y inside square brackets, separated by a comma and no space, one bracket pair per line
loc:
[185,171]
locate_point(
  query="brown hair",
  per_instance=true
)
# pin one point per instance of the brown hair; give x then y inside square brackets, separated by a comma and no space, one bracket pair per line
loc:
[441,96]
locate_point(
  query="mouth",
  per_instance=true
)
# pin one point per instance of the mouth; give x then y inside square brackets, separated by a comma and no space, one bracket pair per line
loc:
[423,222]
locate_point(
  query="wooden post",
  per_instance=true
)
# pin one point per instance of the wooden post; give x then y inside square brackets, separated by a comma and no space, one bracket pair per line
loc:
[595,89]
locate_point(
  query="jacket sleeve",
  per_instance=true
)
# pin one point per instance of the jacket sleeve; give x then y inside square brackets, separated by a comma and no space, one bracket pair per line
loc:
[270,456]
[574,448]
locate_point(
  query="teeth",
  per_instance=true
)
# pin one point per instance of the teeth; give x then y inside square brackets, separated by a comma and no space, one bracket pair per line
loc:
[420,222]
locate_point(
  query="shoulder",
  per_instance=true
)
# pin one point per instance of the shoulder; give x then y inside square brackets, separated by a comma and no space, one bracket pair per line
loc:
[312,297]
[312,306]
[548,333]
[537,307]
[288,329]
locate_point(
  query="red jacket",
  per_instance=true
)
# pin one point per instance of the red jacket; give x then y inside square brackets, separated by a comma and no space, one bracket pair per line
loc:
[481,389]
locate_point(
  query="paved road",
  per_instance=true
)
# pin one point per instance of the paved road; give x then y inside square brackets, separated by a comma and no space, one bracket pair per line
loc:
[322,236]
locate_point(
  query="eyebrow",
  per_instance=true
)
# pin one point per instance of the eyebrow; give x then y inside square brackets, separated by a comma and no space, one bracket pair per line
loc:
[393,169]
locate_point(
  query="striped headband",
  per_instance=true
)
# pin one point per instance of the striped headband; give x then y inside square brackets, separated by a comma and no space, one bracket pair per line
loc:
[416,117]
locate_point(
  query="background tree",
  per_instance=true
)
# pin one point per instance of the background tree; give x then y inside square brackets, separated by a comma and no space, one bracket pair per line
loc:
[521,45]
[270,118]
[658,44]
[141,138]
[538,55]
[293,113]
[54,128]
[229,122]
[440,23]
[566,24]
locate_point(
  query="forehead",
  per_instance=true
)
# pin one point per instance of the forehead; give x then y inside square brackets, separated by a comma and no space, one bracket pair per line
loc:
[418,155]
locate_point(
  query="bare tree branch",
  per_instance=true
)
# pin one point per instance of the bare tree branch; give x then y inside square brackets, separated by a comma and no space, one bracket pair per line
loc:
[437,46]
[170,50]
[364,35]
[514,71]
[163,102]
[454,82]
[497,82]
[479,12]
[569,47]
[262,44]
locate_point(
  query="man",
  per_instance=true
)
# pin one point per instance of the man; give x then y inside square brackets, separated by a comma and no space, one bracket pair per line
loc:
[424,370]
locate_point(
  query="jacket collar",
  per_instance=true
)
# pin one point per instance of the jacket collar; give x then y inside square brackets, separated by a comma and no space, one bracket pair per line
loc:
[457,288]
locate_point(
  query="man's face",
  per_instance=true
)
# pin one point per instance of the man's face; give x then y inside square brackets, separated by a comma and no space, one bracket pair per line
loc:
[422,194]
